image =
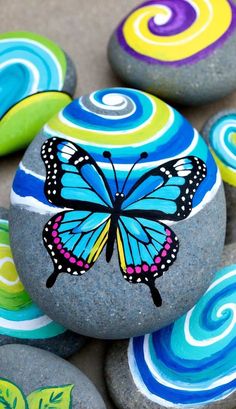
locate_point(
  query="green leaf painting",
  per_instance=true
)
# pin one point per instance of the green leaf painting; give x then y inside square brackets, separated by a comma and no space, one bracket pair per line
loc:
[51,398]
[11,396]
[58,397]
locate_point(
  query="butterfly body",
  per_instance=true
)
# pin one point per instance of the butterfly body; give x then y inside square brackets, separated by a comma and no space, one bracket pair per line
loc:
[131,218]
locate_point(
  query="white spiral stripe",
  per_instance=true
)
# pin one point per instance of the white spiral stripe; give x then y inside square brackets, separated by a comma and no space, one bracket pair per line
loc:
[8,282]
[177,42]
[141,385]
[26,325]
[30,172]
[30,66]
[45,49]
[222,141]
[228,306]
[34,205]
[176,384]
[53,132]
[162,19]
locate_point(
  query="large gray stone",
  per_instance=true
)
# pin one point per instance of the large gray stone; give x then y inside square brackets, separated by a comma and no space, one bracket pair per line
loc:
[219,133]
[21,321]
[190,78]
[101,303]
[32,368]
[213,325]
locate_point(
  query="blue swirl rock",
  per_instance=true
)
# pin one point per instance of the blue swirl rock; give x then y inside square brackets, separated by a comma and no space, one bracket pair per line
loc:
[190,363]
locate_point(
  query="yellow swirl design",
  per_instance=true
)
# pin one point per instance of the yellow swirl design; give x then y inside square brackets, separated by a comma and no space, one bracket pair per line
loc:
[213,19]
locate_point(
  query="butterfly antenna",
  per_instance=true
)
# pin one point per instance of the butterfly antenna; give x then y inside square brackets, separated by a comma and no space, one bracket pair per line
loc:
[107,155]
[143,155]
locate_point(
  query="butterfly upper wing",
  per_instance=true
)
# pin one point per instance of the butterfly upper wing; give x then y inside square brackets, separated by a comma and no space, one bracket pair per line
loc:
[146,250]
[166,192]
[73,178]
[74,240]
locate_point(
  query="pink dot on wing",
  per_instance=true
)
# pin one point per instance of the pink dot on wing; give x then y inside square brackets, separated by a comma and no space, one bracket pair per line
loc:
[164,253]
[54,233]
[58,219]
[145,267]
[157,260]
[169,240]
[80,263]
[59,246]
[138,269]
[72,260]
[153,268]
[57,240]
[167,247]
[67,255]
[130,270]
[55,226]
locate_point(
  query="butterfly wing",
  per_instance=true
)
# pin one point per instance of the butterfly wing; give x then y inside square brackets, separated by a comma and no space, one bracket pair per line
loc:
[166,192]
[73,178]
[74,240]
[146,250]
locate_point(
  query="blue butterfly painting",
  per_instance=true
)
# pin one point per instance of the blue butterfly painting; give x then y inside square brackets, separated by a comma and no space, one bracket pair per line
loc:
[98,219]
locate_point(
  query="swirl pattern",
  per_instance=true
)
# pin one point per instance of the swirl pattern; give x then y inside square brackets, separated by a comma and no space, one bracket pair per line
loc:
[222,139]
[176,32]
[19,316]
[192,361]
[29,64]
[121,118]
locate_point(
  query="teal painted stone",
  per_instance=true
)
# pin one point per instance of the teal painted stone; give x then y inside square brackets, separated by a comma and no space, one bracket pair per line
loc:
[189,364]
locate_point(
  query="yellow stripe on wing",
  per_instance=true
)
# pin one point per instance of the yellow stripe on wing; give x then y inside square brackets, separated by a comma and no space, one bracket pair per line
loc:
[100,243]
[121,251]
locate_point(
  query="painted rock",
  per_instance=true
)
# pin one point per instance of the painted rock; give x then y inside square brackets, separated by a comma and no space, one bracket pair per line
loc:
[121,203]
[181,50]
[21,321]
[36,79]
[220,133]
[31,378]
[189,364]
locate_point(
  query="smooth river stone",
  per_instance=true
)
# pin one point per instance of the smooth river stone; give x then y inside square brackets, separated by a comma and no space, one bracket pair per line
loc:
[21,321]
[189,364]
[220,133]
[37,79]
[170,262]
[181,51]
[39,379]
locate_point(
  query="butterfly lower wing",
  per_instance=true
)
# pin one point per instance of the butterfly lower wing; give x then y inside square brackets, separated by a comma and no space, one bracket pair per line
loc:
[146,250]
[74,241]
[73,179]
[166,192]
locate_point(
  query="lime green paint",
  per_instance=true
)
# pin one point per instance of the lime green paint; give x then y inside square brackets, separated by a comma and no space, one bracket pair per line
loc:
[57,397]
[24,120]
[11,397]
